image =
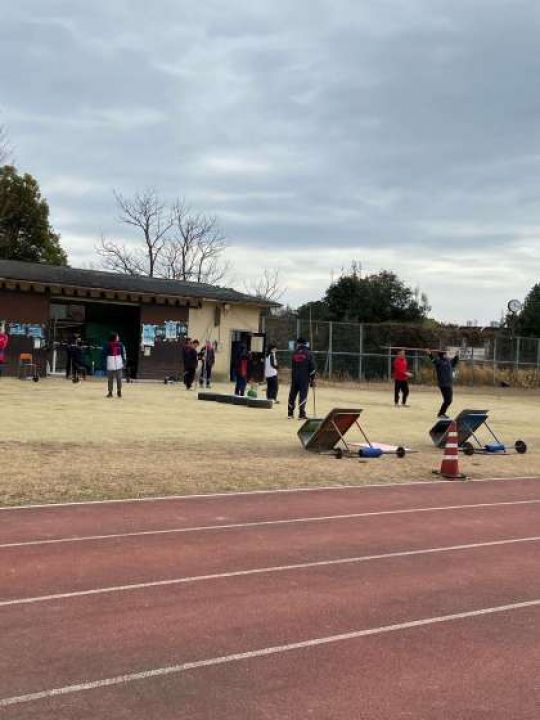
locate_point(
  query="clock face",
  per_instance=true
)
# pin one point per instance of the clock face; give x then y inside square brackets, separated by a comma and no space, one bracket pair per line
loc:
[514,306]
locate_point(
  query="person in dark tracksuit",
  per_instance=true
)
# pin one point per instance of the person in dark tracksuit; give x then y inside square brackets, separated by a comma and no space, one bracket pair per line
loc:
[302,377]
[190,355]
[242,370]
[444,368]
[207,357]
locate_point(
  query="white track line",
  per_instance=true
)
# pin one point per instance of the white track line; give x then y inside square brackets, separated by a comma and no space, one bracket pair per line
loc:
[262,652]
[261,523]
[203,496]
[264,570]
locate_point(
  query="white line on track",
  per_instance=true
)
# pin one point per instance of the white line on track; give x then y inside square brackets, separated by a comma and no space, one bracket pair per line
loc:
[265,570]
[262,652]
[209,496]
[262,523]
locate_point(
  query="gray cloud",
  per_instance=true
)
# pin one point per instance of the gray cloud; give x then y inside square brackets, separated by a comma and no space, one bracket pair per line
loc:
[400,133]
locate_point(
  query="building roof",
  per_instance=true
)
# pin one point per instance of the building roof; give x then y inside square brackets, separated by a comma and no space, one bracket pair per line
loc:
[55,275]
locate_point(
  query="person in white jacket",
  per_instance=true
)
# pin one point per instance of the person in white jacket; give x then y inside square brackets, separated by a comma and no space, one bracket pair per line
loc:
[271,373]
[115,353]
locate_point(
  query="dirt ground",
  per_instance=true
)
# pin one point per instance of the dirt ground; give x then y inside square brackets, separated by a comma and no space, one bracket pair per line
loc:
[63,442]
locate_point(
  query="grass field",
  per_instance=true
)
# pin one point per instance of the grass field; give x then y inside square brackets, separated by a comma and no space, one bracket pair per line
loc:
[63,442]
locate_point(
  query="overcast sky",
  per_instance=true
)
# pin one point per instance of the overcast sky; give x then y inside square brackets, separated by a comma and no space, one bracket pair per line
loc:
[403,134]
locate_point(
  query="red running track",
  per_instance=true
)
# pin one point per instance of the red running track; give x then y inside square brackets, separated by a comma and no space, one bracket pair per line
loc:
[447,632]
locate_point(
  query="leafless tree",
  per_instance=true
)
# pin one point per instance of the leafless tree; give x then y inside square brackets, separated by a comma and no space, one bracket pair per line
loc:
[178,243]
[148,214]
[267,286]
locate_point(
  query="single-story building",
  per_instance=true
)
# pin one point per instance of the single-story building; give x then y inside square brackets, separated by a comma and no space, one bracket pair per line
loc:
[42,306]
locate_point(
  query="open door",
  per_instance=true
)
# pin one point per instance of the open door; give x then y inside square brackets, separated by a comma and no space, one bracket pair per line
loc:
[255,343]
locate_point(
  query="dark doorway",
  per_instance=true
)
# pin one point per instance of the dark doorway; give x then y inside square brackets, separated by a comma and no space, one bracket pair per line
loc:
[255,343]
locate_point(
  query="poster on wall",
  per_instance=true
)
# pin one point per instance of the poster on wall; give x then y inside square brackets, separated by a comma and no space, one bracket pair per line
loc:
[17,329]
[175,330]
[170,330]
[148,335]
[35,331]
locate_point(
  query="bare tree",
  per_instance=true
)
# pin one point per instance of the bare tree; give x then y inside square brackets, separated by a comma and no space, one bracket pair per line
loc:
[178,244]
[194,250]
[149,215]
[268,286]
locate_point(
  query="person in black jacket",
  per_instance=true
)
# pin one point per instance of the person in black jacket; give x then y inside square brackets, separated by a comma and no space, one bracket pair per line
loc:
[302,378]
[444,368]
[190,355]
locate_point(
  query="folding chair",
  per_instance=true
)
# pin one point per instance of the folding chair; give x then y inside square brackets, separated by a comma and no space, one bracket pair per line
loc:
[27,369]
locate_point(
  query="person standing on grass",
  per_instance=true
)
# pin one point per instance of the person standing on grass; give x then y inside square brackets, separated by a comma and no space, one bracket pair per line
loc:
[208,358]
[271,373]
[190,354]
[115,361]
[4,342]
[444,368]
[401,378]
[242,370]
[302,378]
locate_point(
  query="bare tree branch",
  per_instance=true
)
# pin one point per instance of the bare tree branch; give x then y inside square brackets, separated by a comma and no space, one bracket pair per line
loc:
[147,213]
[267,287]
[119,258]
[193,253]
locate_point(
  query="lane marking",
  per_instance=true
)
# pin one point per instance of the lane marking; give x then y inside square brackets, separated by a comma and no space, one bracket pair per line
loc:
[262,652]
[263,570]
[261,523]
[204,496]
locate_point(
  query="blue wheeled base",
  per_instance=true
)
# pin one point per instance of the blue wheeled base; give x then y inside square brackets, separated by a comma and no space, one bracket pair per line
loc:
[468,423]
[327,436]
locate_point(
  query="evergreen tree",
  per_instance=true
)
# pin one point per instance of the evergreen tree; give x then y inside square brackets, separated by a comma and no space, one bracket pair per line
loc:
[25,232]
[528,321]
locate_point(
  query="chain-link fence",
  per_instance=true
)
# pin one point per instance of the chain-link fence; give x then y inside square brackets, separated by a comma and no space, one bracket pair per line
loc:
[352,351]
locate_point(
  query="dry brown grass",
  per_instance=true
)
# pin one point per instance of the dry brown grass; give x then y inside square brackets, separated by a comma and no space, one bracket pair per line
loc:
[65,442]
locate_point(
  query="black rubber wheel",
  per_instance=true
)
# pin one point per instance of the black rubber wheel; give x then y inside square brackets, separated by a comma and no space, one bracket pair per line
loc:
[401,452]
[468,448]
[338,453]
[206,396]
[260,403]
[36,378]
[520,446]
[165,381]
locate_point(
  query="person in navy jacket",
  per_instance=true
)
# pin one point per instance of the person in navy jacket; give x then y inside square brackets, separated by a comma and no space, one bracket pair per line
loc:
[302,378]
[444,369]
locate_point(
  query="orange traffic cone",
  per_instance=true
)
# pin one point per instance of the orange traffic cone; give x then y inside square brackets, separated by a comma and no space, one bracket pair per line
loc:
[449,466]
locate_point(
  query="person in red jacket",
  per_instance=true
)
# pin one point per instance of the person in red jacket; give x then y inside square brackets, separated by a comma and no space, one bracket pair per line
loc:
[4,341]
[401,378]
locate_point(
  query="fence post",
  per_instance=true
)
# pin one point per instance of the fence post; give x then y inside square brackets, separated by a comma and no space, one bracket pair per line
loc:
[518,348]
[298,328]
[495,360]
[361,353]
[389,363]
[330,367]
